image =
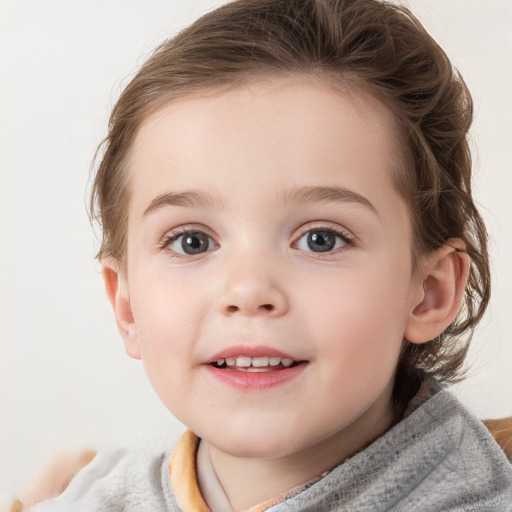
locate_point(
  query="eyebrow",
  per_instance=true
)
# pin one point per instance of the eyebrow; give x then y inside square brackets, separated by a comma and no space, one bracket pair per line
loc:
[301,195]
[327,195]
[188,199]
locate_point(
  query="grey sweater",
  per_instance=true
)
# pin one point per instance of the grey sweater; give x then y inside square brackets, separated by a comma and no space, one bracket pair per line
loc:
[438,459]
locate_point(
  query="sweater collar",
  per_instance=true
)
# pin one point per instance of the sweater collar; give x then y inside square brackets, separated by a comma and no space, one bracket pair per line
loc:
[439,455]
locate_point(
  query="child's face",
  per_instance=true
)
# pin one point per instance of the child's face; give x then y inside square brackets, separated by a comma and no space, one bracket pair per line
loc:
[263,222]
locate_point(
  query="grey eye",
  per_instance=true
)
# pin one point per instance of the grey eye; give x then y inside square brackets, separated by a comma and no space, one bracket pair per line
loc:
[320,240]
[192,243]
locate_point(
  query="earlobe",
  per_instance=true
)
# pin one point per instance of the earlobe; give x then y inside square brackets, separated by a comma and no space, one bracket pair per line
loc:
[440,285]
[116,288]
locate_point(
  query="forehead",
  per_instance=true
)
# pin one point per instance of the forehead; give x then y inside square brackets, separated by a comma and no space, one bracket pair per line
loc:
[280,132]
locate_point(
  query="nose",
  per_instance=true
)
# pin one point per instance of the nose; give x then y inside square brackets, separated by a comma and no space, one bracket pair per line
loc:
[252,288]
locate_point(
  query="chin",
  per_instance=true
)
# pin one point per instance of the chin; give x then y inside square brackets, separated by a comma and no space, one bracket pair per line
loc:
[258,441]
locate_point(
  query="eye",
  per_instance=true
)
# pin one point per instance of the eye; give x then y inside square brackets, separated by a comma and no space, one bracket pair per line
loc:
[322,240]
[190,243]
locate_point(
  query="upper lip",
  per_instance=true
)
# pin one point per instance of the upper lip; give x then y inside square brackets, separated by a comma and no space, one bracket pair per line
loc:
[250,351]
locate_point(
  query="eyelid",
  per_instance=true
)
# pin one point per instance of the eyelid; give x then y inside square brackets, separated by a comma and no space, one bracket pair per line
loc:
[348,237]
[326,226]
[173,234]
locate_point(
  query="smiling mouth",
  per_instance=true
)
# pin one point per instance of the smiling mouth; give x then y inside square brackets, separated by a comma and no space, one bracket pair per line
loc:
[254,364]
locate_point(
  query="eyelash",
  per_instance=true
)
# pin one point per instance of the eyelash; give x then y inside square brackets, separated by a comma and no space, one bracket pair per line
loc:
[347,238]
[171,237]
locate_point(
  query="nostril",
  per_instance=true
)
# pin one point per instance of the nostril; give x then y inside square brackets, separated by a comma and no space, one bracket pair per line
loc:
[265,307]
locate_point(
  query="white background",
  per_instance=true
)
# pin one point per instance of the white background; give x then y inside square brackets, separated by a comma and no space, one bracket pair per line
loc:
[64,379]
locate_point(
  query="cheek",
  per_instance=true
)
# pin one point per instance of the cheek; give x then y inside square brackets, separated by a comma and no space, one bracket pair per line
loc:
[166,304]
[168,319]
[362,319]
[166,334]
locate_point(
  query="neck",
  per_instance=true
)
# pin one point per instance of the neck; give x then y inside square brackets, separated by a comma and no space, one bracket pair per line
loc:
[250,481]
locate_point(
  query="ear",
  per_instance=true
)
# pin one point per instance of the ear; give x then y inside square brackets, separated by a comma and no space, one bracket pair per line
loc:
[118,294]
[439,286]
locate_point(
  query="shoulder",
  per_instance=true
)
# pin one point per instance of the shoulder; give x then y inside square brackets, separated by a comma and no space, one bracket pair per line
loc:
[439,457]
[485,440]
[128,480]
[473,463]
[455,422]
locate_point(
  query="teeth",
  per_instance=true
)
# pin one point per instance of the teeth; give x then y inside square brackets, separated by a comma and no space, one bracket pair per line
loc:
[255,363]
[258,362]
[243,362]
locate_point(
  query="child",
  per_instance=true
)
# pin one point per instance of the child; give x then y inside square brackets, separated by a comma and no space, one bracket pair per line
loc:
[291,247]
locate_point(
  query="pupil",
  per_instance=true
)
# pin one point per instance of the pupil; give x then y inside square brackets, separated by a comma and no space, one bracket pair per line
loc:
[194,243]
[321,241]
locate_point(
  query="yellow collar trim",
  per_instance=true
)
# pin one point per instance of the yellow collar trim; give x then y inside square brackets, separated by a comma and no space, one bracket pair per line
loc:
[183,470]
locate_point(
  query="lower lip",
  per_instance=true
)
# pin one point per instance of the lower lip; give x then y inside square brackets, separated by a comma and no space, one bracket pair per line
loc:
[256,381]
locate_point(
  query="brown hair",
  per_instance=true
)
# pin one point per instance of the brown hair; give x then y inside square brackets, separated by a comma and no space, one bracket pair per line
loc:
[368,44]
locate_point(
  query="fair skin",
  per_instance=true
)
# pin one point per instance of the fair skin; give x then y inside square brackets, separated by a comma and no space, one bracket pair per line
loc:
[264,223]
